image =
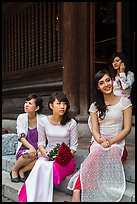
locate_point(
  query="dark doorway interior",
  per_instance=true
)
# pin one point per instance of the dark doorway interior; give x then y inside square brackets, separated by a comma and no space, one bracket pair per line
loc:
[105,33]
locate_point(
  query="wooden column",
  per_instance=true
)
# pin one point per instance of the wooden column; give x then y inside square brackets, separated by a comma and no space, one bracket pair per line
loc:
[92,48]
[70,54]
[119,26]
[84,57]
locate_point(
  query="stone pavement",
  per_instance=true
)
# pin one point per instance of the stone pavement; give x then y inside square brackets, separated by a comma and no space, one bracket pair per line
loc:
[58,197]
[6,200]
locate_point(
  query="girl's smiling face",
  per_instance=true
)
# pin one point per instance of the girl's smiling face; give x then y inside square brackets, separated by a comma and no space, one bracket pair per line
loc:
[105,84]
[116,63]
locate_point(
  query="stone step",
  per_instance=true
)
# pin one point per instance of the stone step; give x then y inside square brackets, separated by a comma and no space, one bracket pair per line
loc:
[61,193]
[9,141]
[57,197]
[10,125]
[10,191]
[129,165]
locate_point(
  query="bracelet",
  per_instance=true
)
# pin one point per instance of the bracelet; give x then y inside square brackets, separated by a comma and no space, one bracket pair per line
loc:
[21,135]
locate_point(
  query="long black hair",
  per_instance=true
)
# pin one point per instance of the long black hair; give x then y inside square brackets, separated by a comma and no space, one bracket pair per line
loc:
[122,56]
[98,95]
[61,97]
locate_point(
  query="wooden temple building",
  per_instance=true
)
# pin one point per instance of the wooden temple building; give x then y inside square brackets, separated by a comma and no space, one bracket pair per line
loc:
[55,46]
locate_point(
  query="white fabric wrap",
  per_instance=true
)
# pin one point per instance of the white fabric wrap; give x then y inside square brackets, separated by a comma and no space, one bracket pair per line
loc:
[73,180]
[40,177]
[22,125]
[102,176]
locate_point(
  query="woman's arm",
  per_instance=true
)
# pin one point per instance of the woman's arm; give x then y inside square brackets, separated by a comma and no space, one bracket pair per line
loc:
[26,143]
[126,81]
[73,151]
[32,150]
[43,150]
[22,125]
[95,128]
[127,126]
[73,137]
[42,139]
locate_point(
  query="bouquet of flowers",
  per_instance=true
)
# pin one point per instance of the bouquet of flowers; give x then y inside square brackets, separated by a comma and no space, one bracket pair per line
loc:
[61,154]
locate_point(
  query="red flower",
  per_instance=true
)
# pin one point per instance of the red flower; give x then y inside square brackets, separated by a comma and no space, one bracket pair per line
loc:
[5,131]
[61,154]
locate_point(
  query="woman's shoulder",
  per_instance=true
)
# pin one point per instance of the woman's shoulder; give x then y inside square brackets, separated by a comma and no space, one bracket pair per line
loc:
[71,123]
[42,116]
[92,107]
[130,73]
[125,101]
[22,115]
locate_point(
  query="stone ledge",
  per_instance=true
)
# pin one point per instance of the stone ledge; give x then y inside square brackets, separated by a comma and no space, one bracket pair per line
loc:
[10,190]
[9,144]
[129,165]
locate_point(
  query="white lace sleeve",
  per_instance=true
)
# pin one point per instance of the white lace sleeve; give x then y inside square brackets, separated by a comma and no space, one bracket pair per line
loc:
[22,125]
[127,81]
[73,135]
[41,134]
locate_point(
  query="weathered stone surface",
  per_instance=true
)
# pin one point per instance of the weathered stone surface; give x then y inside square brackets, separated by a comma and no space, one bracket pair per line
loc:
[9,143]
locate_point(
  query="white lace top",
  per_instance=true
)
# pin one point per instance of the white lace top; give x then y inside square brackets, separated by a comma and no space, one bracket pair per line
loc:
[112,124]
[122,85]
[101,173]
[57,134]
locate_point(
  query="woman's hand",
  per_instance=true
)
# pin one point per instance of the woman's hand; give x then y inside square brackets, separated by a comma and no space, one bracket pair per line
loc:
[45,154]
[43,151]
[122,67]
[32,153]
[73,152]
[105,144]
[101,140]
